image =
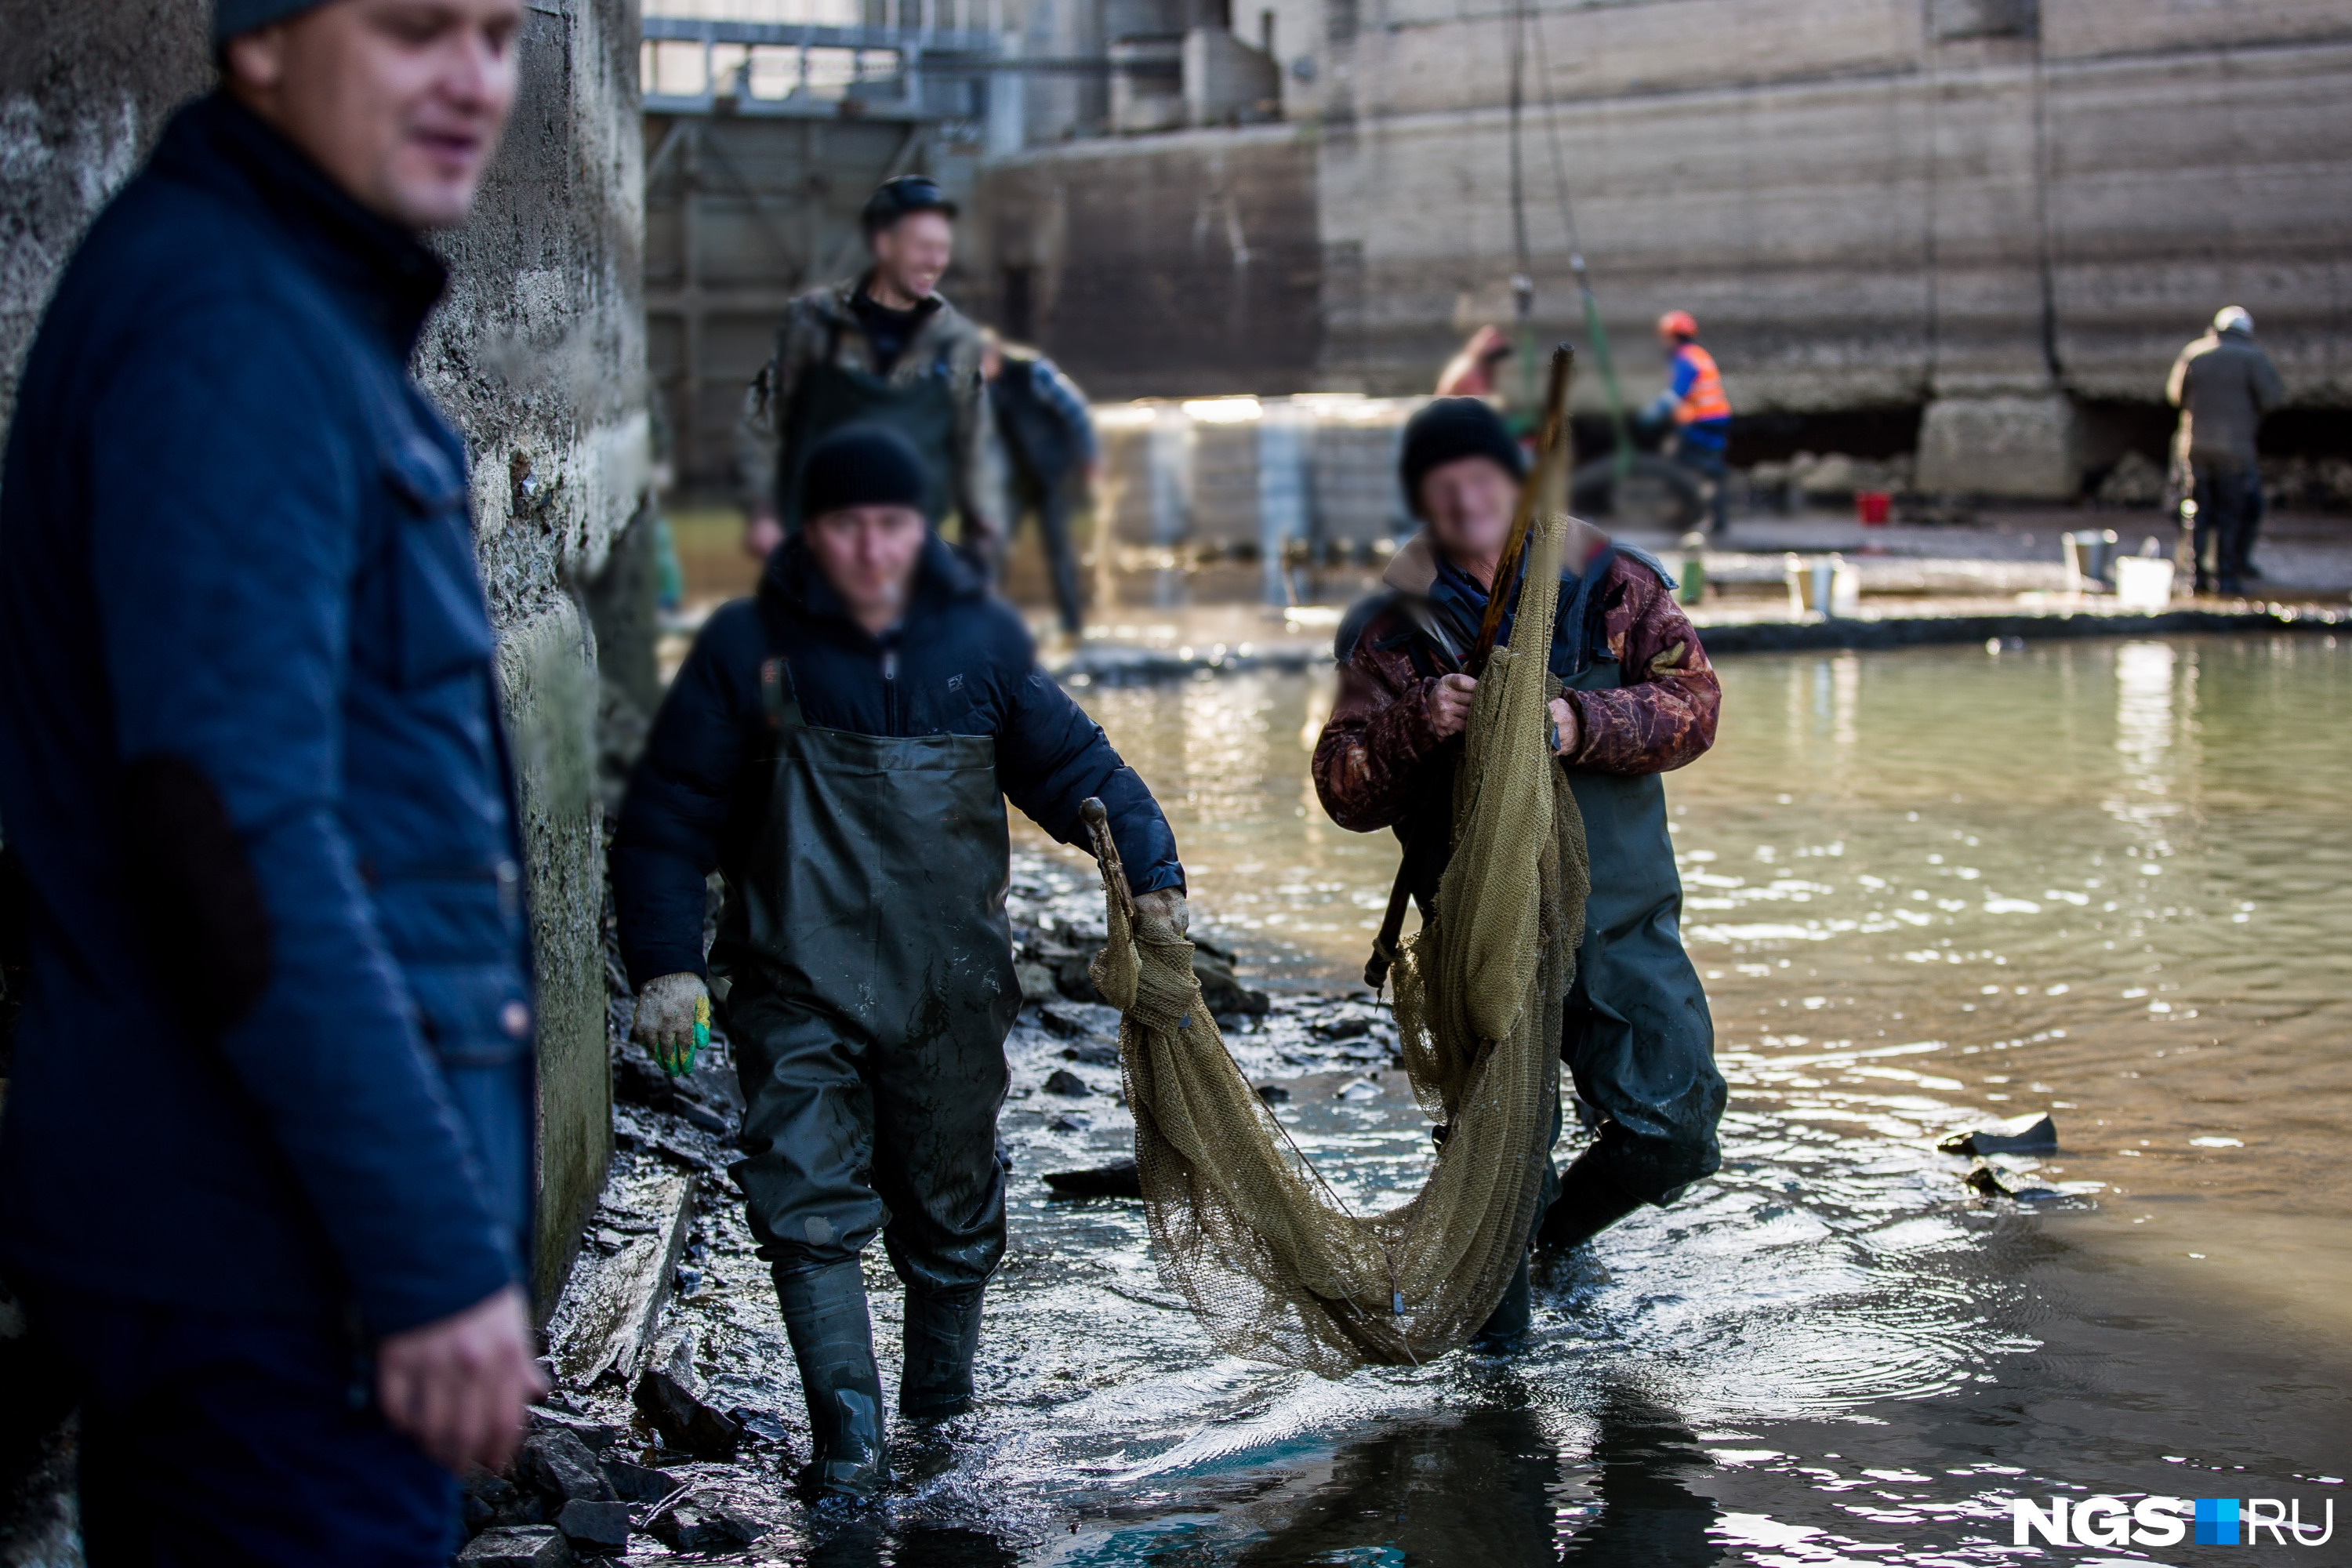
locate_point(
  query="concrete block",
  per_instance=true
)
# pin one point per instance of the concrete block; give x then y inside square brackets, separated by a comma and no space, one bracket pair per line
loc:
[2021,448]
[612,1303]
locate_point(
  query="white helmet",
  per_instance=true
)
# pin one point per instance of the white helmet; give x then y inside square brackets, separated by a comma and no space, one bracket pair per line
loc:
[2233,319]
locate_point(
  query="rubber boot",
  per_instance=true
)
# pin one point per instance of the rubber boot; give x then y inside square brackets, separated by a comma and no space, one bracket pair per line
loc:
[1507,1328]
[832,1341]
[1589,1203]
[942,1337]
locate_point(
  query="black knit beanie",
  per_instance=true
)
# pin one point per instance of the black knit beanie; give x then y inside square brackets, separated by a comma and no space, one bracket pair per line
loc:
[863,465]
[231,18]
[1450,428]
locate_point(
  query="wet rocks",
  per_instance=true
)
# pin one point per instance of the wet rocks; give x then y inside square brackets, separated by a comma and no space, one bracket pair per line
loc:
[1094,1054]
[703,1522]
[2031,1133]
[1226,997]
[1064,1081]
[1992,1181]
[518,1546]
[1274,1094]
[667,1400]
[633,1482]
[594,1529]
[555,1462]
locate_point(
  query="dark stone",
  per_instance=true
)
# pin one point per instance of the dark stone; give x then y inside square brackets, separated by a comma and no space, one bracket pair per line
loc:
[593,1435]
[760,1427]
[521,1546]
[685,1422]
[700,1115]
[1094,1054]
[2027,1134]
[484,1496]
[1064,1081]
[1344,1028]
[1274,1094]
[1226,995]
[1116,1181]
[1061,1025]
[554,1460]
[633,1482]
[703,1523]
[596,1529]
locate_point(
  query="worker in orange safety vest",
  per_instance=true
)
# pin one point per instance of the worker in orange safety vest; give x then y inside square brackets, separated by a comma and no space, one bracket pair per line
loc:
[1695,401]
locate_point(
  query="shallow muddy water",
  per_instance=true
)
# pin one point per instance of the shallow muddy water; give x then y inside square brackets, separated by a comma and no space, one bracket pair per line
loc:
[1926,887]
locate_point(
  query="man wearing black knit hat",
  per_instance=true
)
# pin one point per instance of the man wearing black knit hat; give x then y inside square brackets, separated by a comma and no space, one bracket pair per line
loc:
[1637,699]
[266,1181]
[840,749]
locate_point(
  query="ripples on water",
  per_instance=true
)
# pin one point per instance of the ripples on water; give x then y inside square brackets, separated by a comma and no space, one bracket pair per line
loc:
[1926,887]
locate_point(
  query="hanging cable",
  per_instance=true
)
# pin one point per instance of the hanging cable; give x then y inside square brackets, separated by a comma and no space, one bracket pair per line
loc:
[1593,329]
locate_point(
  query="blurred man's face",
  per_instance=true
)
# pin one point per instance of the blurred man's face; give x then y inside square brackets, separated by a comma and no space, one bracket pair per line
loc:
[912,255]
[400,101]
[1469,504]
[868,554]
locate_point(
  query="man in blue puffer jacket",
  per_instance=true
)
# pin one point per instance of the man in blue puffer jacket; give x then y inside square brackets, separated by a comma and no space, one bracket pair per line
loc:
[265,1179]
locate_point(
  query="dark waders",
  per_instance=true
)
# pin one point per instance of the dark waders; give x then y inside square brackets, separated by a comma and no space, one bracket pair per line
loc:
[1637,1037]
[831,395]
[871,991]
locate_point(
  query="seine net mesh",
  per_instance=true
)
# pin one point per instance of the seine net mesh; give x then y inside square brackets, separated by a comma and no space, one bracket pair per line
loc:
[1276,1266]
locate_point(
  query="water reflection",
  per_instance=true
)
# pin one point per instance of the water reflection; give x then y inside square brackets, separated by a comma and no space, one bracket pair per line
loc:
[1925,887]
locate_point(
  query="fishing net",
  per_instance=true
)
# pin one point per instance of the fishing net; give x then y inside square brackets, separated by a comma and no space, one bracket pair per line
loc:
[1277,1265]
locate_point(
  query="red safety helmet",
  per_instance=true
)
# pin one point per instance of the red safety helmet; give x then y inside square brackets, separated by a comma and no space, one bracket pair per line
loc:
[1677,324]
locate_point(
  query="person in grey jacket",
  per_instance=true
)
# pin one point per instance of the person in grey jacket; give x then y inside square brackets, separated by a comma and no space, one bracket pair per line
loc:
[2224,383]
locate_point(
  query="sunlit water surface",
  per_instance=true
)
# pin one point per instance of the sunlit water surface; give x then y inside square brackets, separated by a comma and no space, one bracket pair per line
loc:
[1926,887]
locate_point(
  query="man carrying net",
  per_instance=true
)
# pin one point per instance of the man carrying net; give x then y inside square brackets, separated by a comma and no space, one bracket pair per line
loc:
[1638,699]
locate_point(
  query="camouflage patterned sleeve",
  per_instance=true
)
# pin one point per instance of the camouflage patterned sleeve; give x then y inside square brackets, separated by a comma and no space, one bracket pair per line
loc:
[1664,715]
[1377,737]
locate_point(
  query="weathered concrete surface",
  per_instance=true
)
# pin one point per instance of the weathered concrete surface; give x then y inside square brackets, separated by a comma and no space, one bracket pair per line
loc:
[538,354]
[1866,203]
[2027,448]
[1167,266]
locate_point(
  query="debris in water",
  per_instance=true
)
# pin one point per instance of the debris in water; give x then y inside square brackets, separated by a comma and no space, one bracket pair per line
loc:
[1116,1181]
[2033,1133]
[1274,1094]
[1994,1183]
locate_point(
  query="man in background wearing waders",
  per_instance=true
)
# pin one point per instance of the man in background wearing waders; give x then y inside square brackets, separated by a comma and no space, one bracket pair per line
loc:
[840,748]
[1699,408]
[1050,437]
[266,1178]
[1639,699]
[886,349]
[2224,383]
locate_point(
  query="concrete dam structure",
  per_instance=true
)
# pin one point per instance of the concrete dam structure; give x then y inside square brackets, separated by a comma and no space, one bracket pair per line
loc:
[1977,229]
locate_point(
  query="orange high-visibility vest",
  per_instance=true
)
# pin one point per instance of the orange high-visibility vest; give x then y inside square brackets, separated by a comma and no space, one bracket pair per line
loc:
[1705,400]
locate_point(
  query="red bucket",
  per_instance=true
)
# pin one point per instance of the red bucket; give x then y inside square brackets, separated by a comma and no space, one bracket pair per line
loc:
[1871,507]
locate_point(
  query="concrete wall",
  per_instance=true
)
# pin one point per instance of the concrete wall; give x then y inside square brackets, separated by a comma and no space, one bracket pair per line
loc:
[1866,203]
[1162,266]
[538,354]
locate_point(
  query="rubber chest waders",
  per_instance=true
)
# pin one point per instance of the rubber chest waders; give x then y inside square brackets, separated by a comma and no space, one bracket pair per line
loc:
[1640,1038]
[871,990]
[830,395]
